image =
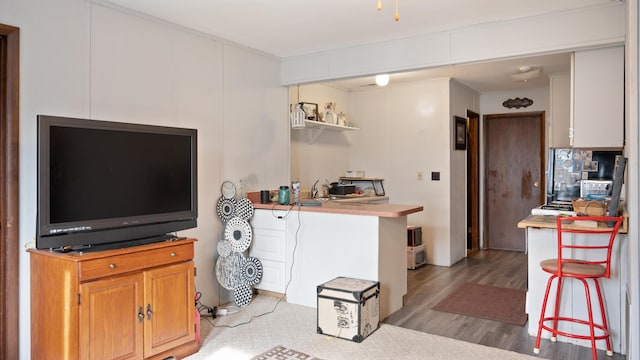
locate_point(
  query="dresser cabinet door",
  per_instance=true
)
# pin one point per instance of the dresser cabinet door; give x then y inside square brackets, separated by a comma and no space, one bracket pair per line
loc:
[168,307]
[110,323]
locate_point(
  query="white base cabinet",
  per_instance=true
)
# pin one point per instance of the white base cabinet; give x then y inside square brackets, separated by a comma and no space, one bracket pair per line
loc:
[300,250]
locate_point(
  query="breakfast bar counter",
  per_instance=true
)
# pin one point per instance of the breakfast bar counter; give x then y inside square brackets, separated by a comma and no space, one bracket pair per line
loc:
[348,208]
[541,233]
[301,247]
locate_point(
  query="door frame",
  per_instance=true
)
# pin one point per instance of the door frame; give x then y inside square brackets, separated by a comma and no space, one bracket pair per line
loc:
[485,118]
[9,194]
[473,181]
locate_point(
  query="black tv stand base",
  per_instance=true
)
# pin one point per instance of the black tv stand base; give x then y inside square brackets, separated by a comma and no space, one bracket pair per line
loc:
[117,245]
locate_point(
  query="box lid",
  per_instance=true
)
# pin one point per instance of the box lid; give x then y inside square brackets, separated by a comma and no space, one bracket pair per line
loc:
[349,284]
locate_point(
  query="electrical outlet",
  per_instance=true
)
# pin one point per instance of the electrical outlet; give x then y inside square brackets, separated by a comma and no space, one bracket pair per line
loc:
[420,176]
[435,175]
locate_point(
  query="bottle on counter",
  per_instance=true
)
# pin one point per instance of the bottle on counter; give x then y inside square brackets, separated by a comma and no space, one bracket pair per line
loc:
[283,195]
[295,191]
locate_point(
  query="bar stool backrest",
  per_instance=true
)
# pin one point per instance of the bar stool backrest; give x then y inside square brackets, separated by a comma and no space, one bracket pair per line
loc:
[596,248]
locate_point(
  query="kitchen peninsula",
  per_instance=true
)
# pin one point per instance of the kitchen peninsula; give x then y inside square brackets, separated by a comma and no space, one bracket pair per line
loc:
[301,247]
[541,236]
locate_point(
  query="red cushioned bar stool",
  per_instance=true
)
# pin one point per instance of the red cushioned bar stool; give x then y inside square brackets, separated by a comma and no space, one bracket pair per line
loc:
[598,250]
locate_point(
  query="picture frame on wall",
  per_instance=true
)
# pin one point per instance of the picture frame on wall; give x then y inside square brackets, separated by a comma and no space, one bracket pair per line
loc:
[311,110]
[460,132]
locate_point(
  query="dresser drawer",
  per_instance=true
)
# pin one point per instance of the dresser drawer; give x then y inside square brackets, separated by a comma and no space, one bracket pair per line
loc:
[119,264]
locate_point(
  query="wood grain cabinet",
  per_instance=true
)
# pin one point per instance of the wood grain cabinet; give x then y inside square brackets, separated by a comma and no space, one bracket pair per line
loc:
[132,303]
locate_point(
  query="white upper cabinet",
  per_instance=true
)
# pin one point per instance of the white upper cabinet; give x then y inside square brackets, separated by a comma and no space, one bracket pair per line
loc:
[560,109]
[598,98]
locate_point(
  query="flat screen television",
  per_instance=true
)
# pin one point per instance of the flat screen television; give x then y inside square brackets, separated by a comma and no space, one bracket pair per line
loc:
[104,184]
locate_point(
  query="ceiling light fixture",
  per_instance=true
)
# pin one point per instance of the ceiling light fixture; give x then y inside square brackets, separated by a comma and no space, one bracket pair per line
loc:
[526,73]
[396,16]
[382,79]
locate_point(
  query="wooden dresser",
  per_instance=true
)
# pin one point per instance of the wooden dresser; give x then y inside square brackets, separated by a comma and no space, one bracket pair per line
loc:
[131,303]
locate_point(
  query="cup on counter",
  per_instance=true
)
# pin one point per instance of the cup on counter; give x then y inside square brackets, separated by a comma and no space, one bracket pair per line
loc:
[264,197]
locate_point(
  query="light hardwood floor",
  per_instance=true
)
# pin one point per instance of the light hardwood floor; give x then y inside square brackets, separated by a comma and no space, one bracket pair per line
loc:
[430,284]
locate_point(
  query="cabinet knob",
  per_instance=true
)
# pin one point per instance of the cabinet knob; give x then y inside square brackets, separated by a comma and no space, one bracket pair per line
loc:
[112,266]
[173,254]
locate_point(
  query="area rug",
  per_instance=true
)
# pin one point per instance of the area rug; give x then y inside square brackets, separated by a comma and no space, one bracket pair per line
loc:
[267,322]
[486,302]
[282,353]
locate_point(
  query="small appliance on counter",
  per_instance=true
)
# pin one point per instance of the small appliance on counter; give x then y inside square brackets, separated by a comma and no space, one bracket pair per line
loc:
[595,189]
[341,189]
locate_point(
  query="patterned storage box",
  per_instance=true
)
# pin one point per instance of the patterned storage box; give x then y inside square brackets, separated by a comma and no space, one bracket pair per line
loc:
[349,308]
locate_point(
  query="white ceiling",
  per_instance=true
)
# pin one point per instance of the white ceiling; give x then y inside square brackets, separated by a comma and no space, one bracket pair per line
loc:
[286,28]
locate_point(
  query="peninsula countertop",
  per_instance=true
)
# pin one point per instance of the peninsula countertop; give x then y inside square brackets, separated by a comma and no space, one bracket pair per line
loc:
[351,208]
[549,222]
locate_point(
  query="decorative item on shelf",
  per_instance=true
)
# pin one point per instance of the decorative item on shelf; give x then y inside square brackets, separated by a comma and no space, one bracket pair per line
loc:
[311,110]
[342,119]
[297,117]
[298,114]
[517,103]
[329,113]
[233,271]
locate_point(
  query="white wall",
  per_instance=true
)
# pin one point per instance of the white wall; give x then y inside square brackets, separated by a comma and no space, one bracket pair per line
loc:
[491,102]
[404,129]
[462,98]
[83,59]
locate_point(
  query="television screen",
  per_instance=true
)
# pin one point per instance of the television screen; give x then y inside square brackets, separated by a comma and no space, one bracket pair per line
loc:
[103,182]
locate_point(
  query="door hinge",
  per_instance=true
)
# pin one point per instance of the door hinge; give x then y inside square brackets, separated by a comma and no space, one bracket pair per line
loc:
[78,298]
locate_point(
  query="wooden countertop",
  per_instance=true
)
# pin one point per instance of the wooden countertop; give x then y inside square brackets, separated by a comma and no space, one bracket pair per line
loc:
[350,208]
[549,222]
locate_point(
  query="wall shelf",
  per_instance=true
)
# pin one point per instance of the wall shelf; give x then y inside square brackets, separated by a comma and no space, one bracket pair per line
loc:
[315,129]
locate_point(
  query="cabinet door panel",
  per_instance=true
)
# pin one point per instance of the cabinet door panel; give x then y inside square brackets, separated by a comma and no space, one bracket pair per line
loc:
[273,276]
[109,314]
[169,296]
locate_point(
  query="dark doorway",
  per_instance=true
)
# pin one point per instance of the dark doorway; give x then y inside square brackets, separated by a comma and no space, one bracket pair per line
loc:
[514,175]
[9,123]
[473,181]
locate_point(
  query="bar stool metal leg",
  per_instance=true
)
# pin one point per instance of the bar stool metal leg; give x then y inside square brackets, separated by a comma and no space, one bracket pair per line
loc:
[604,318]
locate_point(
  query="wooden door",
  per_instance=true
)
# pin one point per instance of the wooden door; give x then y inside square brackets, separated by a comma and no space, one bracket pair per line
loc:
[514,176]
[111,327]
[473,181]
[169,307]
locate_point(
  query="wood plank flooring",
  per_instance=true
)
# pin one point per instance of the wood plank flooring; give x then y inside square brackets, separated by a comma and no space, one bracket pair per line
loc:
[430,284]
